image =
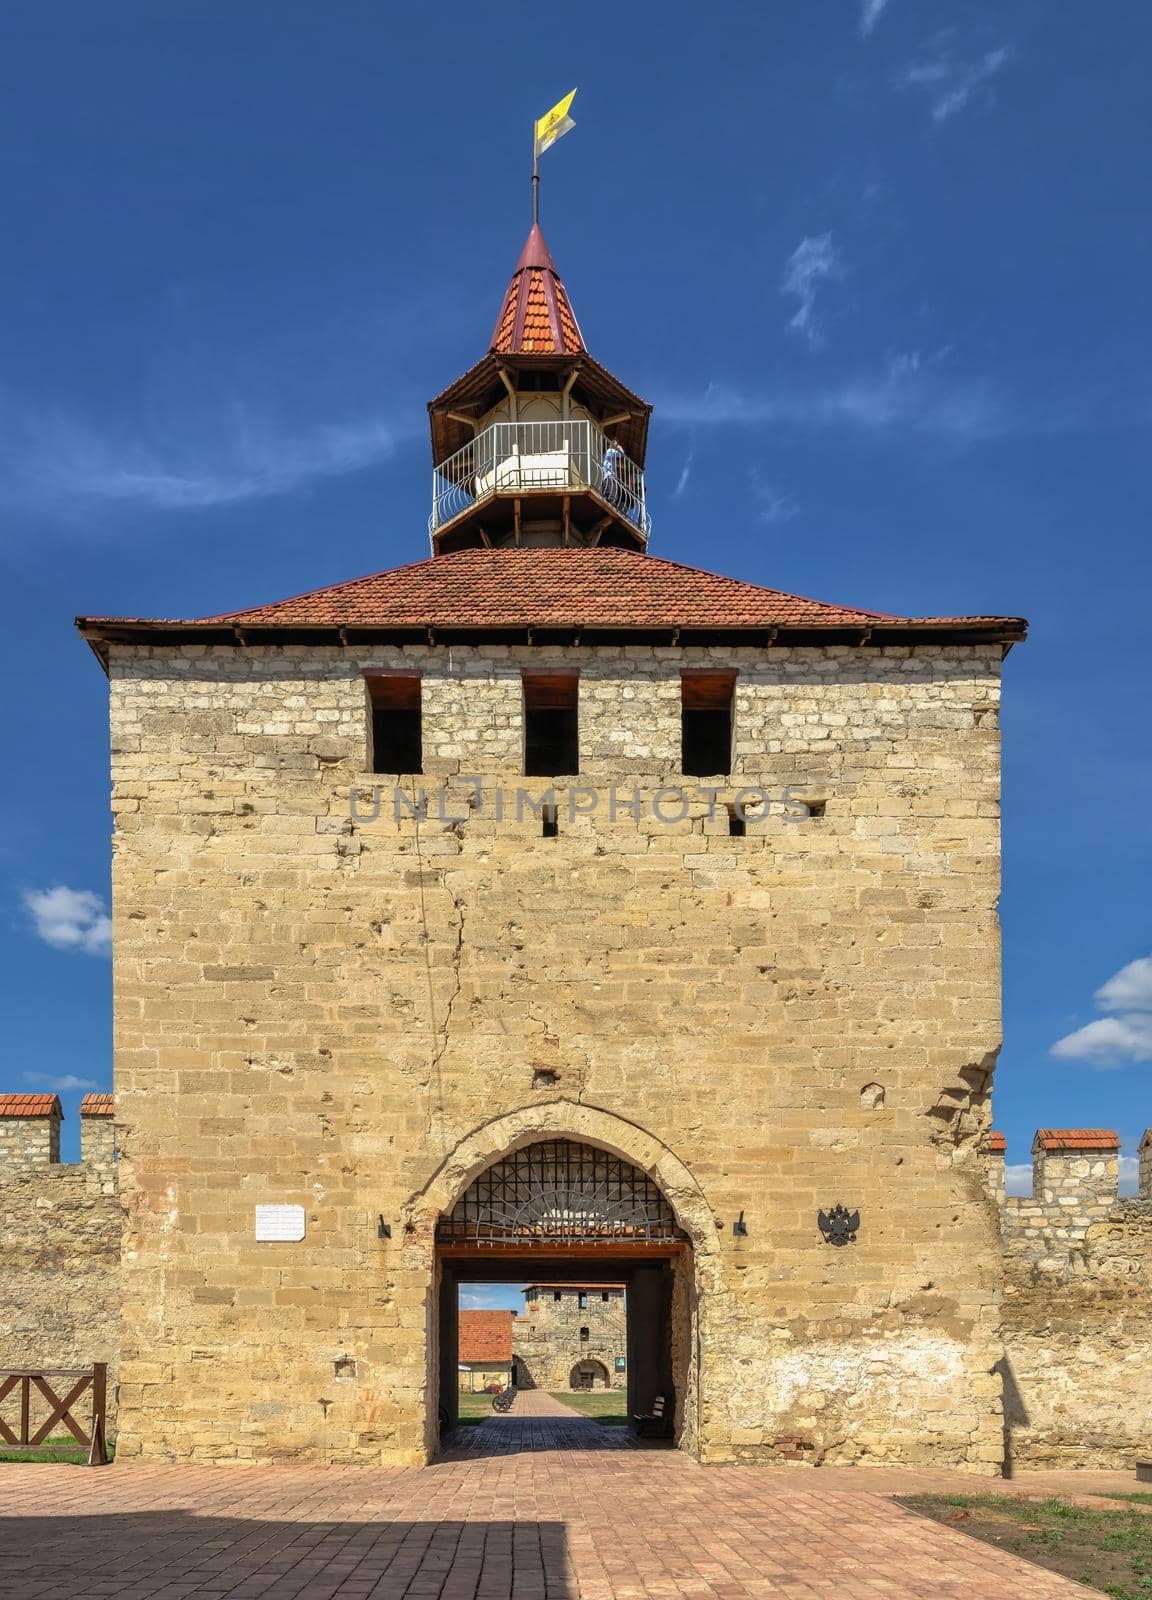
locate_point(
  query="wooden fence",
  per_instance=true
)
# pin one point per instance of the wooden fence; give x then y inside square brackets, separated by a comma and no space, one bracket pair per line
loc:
[23,1385]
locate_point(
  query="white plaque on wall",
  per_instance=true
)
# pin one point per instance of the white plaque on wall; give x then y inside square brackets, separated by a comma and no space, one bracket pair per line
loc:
[280,1222]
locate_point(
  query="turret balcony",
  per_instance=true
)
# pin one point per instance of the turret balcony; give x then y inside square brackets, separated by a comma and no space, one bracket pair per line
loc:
[538,482]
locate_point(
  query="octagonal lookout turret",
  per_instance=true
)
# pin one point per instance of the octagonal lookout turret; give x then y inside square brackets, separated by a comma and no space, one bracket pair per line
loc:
[538,444]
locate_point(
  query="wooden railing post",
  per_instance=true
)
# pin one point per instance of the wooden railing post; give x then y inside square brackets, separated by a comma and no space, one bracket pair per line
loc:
[98,1454]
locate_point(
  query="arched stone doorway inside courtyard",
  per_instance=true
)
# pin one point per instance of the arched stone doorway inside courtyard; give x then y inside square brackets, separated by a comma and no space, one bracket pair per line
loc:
[588,1376]
[578,1223]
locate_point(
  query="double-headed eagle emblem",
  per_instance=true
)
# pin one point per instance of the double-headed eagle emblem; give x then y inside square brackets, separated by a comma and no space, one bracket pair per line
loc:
[839,1226]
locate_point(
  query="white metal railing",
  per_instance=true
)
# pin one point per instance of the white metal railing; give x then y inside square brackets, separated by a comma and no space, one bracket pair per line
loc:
[511,456]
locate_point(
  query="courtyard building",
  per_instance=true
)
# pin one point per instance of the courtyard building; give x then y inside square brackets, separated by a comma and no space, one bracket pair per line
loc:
[484,1350]
[572,1336]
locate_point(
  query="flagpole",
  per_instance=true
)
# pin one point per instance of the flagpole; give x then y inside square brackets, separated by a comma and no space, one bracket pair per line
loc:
[535,179]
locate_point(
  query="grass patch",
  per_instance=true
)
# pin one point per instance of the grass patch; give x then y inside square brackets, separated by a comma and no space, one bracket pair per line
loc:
[474,1409]
[609,1406]
[1108,1550]
[61,1447]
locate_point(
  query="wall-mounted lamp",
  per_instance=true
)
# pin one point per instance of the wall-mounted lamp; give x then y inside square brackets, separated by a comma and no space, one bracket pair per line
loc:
[383,1229]
[740,1227]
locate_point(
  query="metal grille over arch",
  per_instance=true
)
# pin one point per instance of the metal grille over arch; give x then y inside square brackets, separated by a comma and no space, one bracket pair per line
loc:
[558,1192]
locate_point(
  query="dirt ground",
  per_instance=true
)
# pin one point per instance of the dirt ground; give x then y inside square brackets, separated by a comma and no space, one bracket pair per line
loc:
[1107,1546]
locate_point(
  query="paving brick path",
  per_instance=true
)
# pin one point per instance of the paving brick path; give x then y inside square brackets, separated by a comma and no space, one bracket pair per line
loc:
[539,1403]
[569,1524]
[514,1435]
[536,1422]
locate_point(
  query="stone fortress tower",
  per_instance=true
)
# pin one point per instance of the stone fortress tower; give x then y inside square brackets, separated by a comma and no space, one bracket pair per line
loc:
[548,908]
[572,1336]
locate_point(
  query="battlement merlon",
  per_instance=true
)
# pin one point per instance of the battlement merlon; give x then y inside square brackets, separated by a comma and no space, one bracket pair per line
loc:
[1072,1166]
[29,1131]
[98,1133]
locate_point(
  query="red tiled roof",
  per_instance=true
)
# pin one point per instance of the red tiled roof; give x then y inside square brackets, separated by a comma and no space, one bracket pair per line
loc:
[30,1105]
[602,587]
[485,1336]
[98,1105]
[1077,1139]
[997,1143]
[536,317]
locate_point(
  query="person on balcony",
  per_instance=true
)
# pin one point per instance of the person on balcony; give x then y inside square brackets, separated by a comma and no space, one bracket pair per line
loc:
[612,474]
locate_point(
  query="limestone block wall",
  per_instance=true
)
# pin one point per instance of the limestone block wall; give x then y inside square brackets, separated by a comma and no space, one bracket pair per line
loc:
[322,1011]
[60,1227]
[548,1342]
[1077,1309]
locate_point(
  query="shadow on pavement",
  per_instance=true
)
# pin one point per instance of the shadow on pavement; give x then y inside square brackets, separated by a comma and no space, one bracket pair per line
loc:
[145,1555]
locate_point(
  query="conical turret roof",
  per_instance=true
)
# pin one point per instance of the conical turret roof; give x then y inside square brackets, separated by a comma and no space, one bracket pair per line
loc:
[536,317]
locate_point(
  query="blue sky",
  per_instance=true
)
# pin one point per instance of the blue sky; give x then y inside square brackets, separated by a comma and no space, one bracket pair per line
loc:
[881,267]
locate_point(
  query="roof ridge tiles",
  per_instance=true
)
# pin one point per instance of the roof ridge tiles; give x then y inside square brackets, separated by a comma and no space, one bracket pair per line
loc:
[567,587]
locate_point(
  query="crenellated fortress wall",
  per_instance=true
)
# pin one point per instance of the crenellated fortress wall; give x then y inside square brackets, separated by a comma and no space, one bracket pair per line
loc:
[1077,1292]
[1077,1304]
[60,1228]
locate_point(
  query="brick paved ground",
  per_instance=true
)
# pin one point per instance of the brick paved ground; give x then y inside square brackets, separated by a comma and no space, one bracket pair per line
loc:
[536,1422]
[539,1403]
[566,1524]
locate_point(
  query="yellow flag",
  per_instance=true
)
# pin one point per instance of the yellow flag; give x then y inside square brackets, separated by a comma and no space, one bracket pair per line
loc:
[554,124]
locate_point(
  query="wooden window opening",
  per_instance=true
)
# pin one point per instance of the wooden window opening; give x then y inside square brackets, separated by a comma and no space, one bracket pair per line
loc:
[706,700]
[394,701]
[551,724]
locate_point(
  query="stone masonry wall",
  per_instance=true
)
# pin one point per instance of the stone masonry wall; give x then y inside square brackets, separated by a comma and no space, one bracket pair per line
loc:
[60,1227]
[1077,1312]
[320,1011]
[547,1337]
[27,1144]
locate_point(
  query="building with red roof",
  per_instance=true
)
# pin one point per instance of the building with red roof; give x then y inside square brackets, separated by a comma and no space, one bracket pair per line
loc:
[546,907]
[484,1349]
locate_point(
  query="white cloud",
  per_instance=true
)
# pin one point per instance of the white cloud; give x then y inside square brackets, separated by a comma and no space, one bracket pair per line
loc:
[813,262]
[70,919]
[60,1085]
[488,1296]
[950,82]
[1129,1174]
[1126,1035]
[911,395]
[685,474]
[1109,1042]
[216,458]
[774,505]
[870,13]
[1130,989]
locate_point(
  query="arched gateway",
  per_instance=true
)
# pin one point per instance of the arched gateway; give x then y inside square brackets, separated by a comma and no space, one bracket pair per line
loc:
[566,1200]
